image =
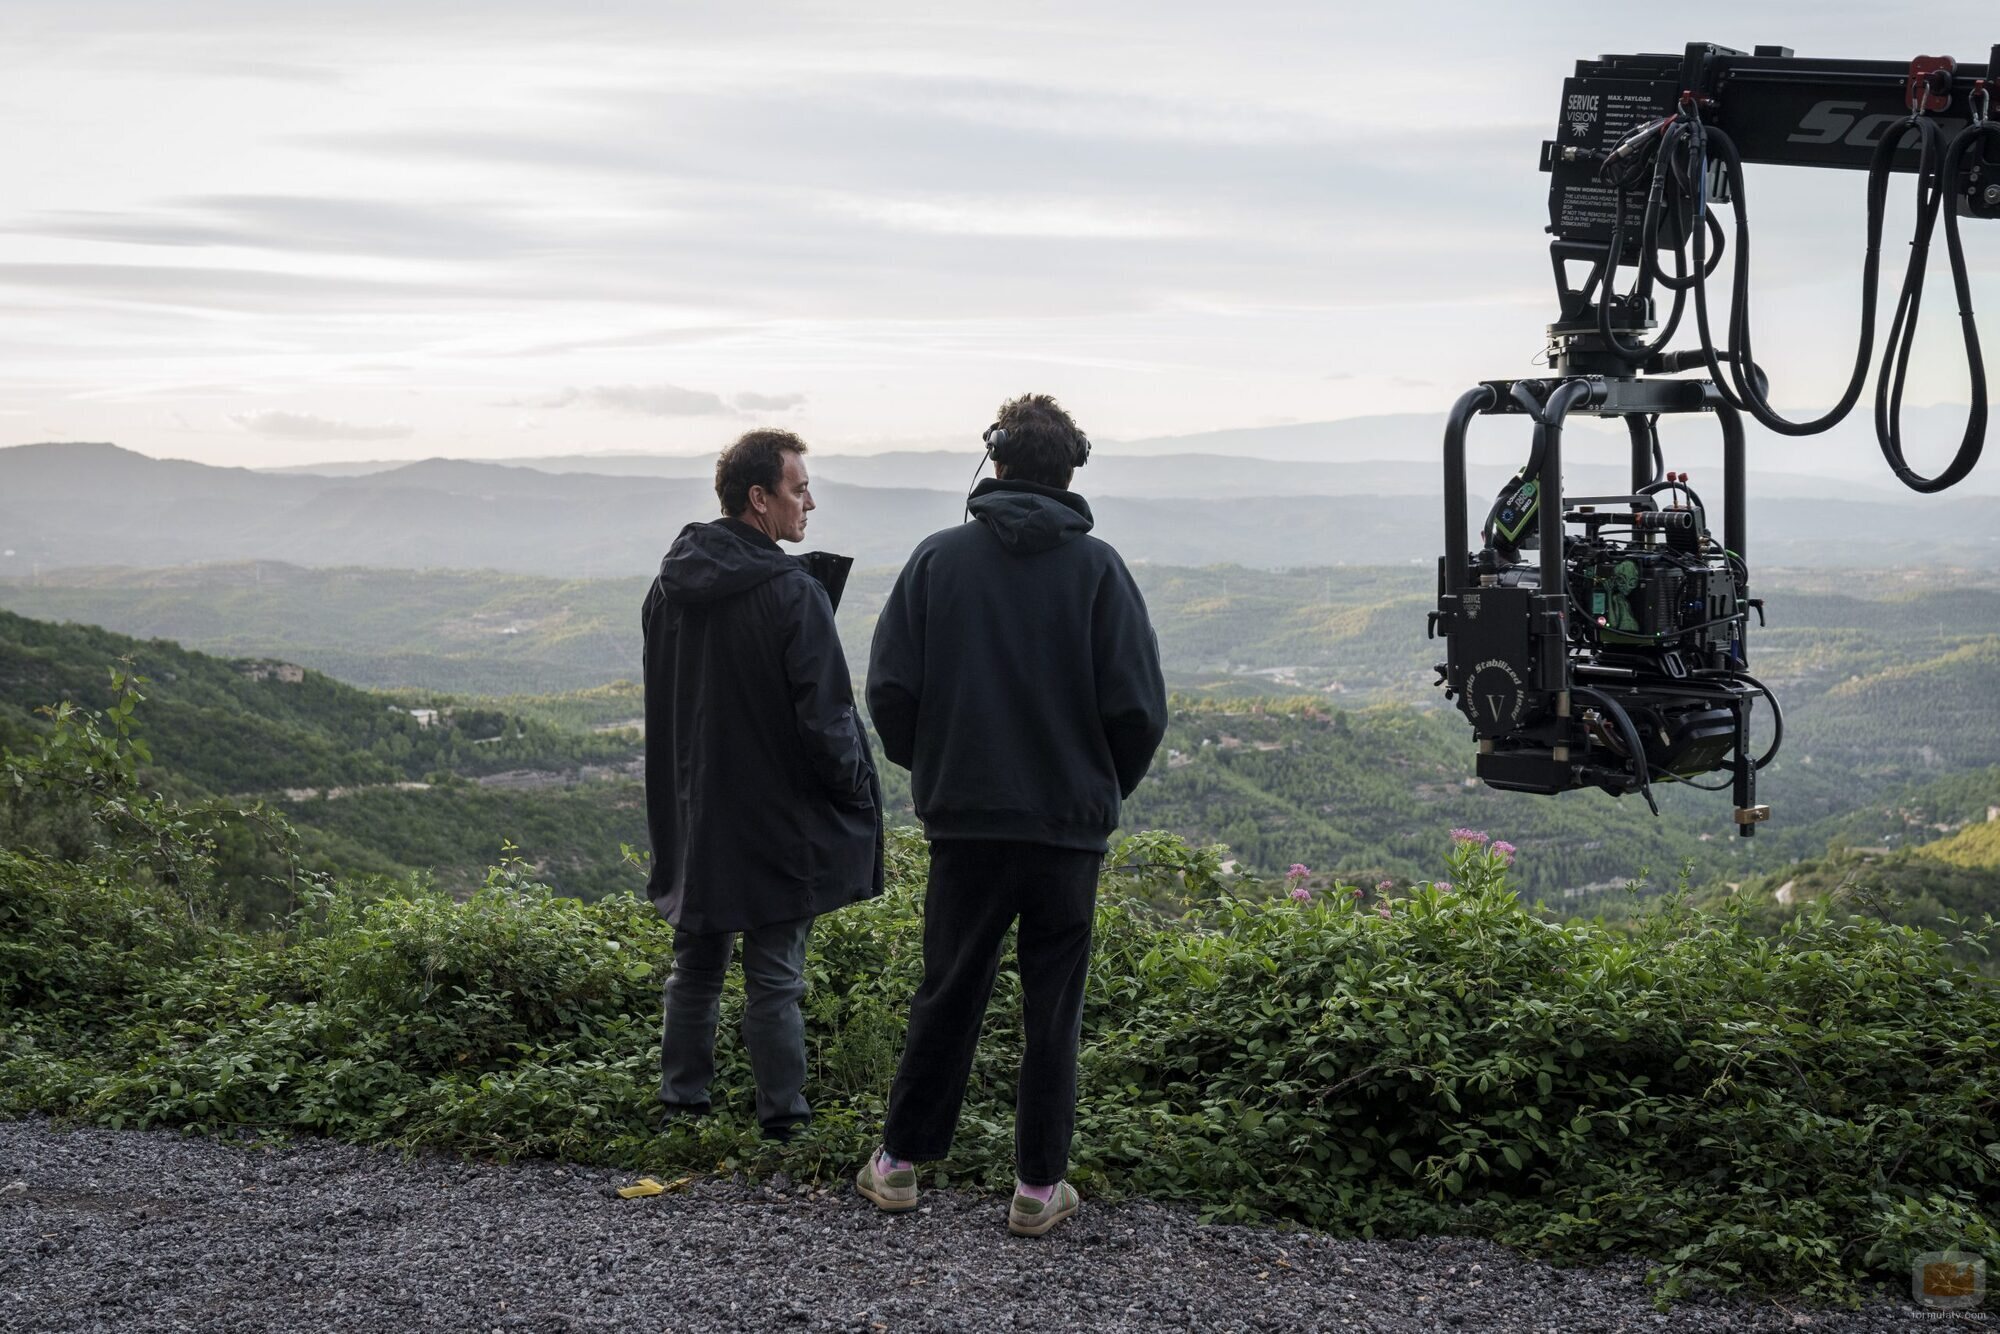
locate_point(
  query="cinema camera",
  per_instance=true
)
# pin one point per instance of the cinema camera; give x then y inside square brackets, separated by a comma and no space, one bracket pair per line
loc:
[1617,656]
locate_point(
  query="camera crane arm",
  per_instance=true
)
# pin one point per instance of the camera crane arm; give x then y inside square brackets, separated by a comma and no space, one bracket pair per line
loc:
[1618,656]
[1781,109]
[1685,126]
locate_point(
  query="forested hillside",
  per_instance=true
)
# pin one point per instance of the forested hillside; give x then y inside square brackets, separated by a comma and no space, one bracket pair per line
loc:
[1976,848]
[1287,781]
[377,783]
[250,726]
[1926,886]
[1936,713]
[1356,632]
[1278,779]
[472,632]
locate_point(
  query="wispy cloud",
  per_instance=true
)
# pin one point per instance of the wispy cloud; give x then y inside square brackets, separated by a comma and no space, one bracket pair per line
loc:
[1000,216]
[751,402]
[305,224]
[893,209]
[614,342]
[311,426]
[219,288]
[278,71]
[640,400]
[285,292]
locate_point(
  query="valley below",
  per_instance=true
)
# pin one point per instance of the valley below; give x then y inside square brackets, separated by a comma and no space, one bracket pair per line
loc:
[469,639]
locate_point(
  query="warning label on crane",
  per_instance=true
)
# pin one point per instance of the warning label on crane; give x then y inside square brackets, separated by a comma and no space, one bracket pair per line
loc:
[1596,114]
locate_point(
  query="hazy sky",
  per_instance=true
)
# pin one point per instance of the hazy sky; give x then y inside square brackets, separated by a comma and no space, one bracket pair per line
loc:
[268,234]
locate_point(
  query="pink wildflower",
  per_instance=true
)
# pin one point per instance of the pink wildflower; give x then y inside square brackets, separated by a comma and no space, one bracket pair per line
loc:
[1382,910]
[1470,836]
[1384,886]
[1444,886]
[1298,871]
[1505,849]
[1300,894]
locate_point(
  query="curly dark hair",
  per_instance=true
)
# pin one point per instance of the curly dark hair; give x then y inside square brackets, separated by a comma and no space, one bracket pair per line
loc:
[1042,441]
[756,459]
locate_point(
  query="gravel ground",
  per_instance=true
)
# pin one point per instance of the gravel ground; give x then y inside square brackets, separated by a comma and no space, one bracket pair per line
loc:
[104,1230]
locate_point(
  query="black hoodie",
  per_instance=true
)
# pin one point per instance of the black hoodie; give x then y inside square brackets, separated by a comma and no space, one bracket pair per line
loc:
[761,795]
[1015,674]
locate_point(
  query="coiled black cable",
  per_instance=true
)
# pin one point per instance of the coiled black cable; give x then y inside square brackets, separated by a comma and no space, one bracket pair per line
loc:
[1611,708]
[1903,331]
[1638,353]
[1670,134]
[1678,150]
[1777,729]
[1777,716]
[1741,387]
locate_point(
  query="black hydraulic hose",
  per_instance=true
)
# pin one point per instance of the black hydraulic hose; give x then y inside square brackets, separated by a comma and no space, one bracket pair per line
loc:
[1672,165]
[1637,353]
[1889,392]
[1777,716]
[1641,770]
[1910,299]
[1628,158]
[1747,394]
[1777,723]
[1683,280]
[1684,141]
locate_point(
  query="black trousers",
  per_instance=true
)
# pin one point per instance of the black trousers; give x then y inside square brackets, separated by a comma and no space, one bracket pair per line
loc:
[977,889]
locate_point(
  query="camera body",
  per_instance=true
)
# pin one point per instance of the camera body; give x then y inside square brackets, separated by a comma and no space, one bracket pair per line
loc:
[1648,624]
[1599,642]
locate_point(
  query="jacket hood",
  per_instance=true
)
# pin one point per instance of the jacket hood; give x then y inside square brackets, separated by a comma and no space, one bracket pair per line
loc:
[1028,517]
[719,559]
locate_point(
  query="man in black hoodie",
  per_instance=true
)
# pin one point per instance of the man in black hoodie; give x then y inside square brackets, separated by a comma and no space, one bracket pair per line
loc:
[1015,674]
[761,796]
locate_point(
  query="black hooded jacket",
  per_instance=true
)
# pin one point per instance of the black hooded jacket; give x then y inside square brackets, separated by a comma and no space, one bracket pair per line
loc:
[761,795]
[1015,674]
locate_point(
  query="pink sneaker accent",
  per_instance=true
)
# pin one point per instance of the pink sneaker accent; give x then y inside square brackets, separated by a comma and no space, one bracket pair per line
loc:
[1042,1193]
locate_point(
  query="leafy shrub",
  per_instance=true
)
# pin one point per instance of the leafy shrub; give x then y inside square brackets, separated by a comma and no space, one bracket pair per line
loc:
[1795,1111]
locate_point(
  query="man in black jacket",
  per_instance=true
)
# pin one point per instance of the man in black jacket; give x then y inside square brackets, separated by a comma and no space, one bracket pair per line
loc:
[1015,674]
[761,795]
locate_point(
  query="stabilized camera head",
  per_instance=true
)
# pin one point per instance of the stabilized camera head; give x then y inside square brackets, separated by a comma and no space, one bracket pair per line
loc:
[1603,641]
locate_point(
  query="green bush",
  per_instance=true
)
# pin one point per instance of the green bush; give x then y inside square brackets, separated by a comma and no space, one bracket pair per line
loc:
[1794,1111]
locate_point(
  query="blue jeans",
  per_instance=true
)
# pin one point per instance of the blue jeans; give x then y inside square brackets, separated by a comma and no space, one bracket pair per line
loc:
[774,1033]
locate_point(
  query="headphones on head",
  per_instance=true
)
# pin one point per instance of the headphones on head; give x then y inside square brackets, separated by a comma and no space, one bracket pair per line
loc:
[996,443]
[995,440]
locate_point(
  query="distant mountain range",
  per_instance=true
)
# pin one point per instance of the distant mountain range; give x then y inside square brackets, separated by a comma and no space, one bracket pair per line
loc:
[73,505]
[1158,477]
[1382,455]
